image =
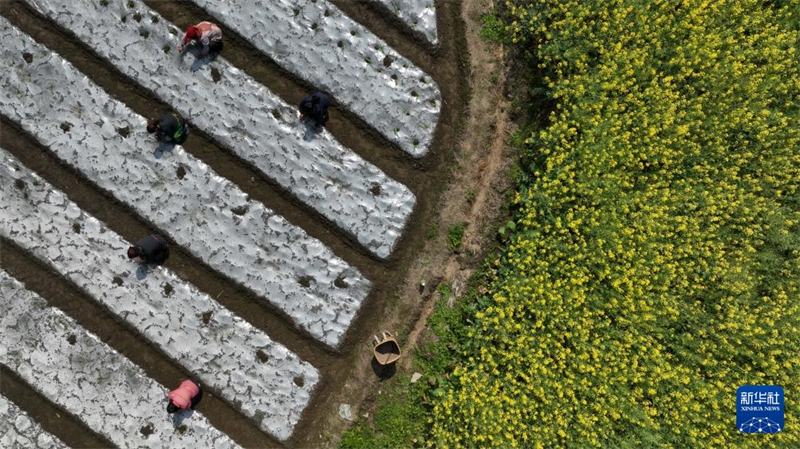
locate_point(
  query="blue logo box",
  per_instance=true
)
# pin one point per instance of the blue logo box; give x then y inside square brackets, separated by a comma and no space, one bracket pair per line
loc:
[759,409]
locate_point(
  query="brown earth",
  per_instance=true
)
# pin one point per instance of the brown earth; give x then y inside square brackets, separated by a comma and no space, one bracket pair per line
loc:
[461,181]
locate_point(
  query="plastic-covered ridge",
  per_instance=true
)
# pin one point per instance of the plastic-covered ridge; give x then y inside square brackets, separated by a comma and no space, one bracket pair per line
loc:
[201,211]
[245,117]
[74,369]
[420,15]
[317,42]
[17,429]
[219,348]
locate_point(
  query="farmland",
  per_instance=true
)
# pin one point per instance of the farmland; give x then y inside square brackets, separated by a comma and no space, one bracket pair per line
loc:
[581,219]
[287,243]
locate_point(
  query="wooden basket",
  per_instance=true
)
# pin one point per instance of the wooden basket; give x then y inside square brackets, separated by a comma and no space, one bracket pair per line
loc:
[386,350]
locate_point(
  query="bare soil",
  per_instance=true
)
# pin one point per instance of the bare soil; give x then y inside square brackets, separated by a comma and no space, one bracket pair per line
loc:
[462,180]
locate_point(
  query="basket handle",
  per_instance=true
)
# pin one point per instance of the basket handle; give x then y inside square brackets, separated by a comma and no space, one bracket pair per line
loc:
[383,337]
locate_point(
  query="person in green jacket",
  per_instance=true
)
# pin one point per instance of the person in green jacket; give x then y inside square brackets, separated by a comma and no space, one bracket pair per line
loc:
[169,128]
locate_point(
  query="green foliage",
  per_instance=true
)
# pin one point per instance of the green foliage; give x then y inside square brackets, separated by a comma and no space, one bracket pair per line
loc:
[508,228]
[359,436]
[455,235]
[471,194]
[447,324]
[432,232]
[400,418]
[493,29]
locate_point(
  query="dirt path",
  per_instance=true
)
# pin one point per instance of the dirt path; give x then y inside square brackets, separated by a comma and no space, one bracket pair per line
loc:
[475,196]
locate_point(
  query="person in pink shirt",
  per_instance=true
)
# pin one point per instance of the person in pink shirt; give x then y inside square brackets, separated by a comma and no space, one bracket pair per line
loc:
[185,397]
[207,34]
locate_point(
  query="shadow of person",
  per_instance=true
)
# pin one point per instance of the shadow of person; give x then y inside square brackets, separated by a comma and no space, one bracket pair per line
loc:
[199,59]
[179,417]
[384,372]
[311,130]
[141,271]
[162,148]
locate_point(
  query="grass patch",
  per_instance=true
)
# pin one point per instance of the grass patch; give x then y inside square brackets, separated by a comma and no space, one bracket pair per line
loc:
[455,236]
[493,29]
[432,232]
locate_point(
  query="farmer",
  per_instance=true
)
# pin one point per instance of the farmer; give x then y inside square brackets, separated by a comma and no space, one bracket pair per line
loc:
[315,108]
[185,397]
[152,249]
[169,128]
[208,34]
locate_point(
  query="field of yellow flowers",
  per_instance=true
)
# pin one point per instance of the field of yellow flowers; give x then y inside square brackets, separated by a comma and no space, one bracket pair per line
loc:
[655,266]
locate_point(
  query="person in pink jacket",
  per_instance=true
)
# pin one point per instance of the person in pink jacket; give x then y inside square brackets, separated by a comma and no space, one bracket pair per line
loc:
[185,397]
[207,34]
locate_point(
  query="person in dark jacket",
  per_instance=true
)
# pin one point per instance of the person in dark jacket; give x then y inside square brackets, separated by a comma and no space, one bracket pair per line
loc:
[152,249]
[169,128]
[315,108]
[185,397]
